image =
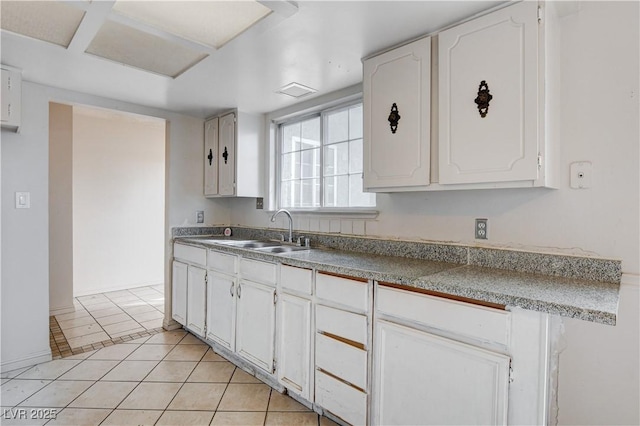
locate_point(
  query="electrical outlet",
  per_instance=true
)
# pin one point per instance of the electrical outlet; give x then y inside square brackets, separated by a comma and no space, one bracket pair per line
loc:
[481,229]
[199,216]
[259,203]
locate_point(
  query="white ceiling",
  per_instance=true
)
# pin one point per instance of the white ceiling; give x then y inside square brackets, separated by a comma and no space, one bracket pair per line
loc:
[320,45]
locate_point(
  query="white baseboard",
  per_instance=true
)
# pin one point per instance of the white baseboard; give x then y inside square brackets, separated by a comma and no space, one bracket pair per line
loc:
[89,292]
[33,359]
[170,324]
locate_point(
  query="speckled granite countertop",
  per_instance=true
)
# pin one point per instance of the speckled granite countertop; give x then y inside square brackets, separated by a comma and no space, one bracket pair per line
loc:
[512,284]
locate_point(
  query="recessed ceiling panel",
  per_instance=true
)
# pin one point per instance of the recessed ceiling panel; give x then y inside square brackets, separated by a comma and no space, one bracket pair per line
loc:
[50,21]
[129,46]
[213,23]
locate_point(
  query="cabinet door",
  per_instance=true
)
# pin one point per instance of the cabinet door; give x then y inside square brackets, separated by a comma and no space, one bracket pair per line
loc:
[227,155]
[420,378]
[11,98]
[294,343]
[196,299]
[499,143]
[255,328]
[211,157]
[221,309]
[399,79]
[179,292]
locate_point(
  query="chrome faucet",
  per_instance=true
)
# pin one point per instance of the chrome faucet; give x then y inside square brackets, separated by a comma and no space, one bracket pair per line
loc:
[273,219]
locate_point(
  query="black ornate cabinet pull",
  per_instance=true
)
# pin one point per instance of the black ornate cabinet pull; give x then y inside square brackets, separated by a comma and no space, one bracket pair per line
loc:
[225,155]
[483,99]
[210,156]
[394,117]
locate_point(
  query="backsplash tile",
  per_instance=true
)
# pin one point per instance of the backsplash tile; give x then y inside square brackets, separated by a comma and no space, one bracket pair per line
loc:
[547,264]
[558,265]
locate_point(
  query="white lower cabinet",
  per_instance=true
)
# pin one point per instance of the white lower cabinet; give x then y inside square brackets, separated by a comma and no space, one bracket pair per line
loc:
[179,292]
[443,361]
[196,299]
[341,399]
[188,292]
[401,358]
[221,309]
[422,378]
[342,342]
[241,312]
[255,327]
[294,343]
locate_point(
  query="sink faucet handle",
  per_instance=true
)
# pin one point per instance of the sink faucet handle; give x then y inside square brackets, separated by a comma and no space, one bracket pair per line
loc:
[300,240]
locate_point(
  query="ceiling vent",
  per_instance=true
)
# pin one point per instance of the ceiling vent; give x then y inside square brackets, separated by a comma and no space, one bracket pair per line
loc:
[296,90]
[50,21]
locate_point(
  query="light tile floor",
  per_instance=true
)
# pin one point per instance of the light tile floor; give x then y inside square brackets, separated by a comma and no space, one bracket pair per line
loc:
[170,378]
[104,319]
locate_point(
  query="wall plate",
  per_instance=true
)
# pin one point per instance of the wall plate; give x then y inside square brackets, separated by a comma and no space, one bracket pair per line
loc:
[23,200]
[581,174]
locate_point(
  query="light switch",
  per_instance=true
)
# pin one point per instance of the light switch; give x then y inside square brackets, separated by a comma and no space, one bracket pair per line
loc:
[23,200]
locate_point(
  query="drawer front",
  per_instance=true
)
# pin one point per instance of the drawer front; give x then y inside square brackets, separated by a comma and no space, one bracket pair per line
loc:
[478,322]
[343,290]
[343,400]
[342,323]
[227,263]
[256,270]
[297,279]
[190,254]
[342,360]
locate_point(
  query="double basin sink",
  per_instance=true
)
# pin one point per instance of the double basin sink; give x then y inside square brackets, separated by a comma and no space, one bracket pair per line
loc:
[263,246]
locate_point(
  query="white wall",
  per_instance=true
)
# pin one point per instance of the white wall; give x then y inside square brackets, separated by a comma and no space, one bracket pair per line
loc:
[118,200]
[599,122]
[25,246]
[60,208]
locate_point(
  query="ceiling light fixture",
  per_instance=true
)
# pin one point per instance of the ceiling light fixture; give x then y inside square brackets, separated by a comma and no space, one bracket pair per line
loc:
[50,21]
[212,23]
[130,46]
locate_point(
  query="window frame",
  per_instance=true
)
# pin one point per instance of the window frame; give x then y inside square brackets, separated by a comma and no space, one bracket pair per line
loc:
[321,112]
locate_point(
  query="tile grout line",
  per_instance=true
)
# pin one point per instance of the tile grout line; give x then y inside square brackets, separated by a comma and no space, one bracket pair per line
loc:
[185,380]
[113,340]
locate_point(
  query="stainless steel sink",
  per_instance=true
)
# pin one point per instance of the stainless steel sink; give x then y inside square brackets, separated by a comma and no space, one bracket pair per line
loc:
[249,243]
[281,249]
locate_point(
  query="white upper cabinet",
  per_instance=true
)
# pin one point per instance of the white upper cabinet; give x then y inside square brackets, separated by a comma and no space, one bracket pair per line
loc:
[227,155]
[11,98]
[491,83]
[397,100]
[234,155]
[211,156]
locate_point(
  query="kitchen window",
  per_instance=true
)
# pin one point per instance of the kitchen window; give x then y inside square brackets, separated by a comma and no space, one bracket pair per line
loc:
[320,159]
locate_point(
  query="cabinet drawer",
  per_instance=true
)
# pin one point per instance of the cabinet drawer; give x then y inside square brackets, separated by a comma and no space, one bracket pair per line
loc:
[342,360]
[190,254]
[344,401]
[227,263]
[297,279]
[341,290]
[342,323]
[477,322]
[256,270]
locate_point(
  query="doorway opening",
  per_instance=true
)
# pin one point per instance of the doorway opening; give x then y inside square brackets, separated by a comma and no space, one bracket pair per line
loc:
[106,214]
